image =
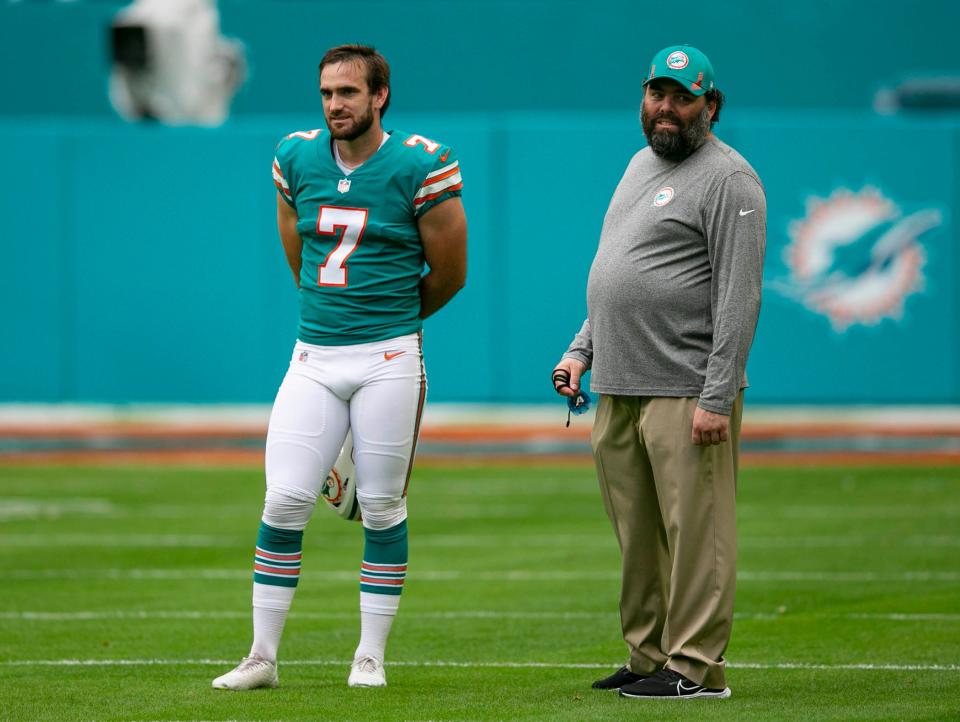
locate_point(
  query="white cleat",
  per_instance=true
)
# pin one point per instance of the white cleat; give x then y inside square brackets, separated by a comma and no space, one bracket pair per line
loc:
[367,672]
[253,672]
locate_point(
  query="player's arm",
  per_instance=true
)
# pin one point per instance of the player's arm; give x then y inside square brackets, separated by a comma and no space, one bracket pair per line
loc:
[443,231]
[291,240]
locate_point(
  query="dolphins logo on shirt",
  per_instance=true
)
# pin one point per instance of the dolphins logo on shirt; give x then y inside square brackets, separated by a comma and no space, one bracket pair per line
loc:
[663,196]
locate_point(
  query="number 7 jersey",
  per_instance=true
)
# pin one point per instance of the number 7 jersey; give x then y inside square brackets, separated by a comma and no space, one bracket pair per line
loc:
[362,254]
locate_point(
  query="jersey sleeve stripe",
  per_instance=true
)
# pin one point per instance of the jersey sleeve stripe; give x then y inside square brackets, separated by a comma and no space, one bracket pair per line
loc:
[440,171]
[418,201]
[278,175]
[435,178]
[431,191]
[279,181]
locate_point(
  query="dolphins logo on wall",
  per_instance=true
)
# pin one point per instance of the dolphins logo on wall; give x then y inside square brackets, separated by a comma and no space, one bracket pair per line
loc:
[855,257]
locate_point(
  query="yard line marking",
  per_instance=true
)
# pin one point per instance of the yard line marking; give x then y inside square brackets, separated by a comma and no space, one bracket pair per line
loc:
[82,616]
[879,667]
[796,576]
[201,540]
[468,665]
[858,540]
[904,617]
[18,508]
[456,540]
[867,511]
[118,541]
[509,575]
[32,616]
[96,616]
[549,541]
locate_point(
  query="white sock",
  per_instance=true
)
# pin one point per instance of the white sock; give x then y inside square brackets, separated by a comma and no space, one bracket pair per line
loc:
[377,612]
[270,607]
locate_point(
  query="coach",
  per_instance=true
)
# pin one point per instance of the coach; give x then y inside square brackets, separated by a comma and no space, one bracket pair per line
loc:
[673,298]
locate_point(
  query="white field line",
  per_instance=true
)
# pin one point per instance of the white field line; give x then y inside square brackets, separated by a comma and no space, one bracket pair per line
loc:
[904,617]
[78,616]
[506,575]
[20,508]
[128,541]
[121,541]
[468,665]
[847,577]
[867,511]
[13,508]
[234,614]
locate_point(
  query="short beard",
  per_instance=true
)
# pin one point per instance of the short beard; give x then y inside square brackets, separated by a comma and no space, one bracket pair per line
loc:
[676,146]
[361,126]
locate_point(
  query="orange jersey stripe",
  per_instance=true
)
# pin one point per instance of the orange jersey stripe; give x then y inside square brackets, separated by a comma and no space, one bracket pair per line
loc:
[430,197]
[431,181]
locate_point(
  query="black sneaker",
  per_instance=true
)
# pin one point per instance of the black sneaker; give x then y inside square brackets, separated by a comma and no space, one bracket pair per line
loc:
[616,680]
[667,684]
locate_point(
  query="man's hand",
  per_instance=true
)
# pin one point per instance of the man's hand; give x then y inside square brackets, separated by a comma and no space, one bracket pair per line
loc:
[566,376]
[709,428]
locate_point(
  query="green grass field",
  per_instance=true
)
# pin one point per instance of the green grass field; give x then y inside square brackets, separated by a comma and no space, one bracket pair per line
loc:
[127,590]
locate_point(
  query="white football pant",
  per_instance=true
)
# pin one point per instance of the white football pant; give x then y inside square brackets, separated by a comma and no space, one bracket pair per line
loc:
[376,389]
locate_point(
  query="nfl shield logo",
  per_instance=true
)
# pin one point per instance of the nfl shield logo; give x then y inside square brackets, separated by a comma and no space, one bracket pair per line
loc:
[304,355]
[344,185]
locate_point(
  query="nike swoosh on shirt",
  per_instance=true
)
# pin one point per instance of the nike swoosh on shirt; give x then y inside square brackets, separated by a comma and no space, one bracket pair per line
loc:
[387,356]
[443,158]
[746,213]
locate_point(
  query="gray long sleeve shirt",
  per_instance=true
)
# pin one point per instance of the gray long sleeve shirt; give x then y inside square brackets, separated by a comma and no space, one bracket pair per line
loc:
[674,291]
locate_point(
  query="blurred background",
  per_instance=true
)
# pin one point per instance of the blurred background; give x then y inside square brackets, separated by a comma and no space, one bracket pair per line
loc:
[140,258]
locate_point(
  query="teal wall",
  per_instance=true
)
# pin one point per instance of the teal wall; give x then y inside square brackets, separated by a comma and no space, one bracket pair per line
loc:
[140,263]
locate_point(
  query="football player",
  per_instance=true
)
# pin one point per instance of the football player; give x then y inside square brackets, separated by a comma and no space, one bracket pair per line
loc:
[360,210]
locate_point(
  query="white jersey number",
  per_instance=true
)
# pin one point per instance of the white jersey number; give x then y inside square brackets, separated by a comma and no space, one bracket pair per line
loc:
[349,222]
[428,145]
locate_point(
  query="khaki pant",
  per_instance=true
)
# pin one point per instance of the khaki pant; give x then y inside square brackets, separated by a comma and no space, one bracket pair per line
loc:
[672,506]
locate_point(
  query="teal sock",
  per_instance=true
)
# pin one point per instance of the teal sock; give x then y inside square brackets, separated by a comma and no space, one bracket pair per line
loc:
[384,565]
[277,558]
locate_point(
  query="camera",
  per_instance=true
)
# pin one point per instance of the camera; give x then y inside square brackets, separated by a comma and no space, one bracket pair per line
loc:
[171,64]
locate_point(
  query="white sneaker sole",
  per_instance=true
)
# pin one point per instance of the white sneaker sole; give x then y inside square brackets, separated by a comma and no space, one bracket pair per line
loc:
[703,694]
[366,683]
[268,685]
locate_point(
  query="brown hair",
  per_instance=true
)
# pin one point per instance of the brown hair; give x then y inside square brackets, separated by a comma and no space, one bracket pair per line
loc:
[378,71]
[715,96]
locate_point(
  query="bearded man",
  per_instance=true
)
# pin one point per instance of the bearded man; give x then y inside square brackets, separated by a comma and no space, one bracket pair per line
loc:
[673,299]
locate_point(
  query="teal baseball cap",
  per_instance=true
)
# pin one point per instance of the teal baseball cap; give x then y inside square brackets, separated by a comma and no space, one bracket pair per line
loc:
[685,64]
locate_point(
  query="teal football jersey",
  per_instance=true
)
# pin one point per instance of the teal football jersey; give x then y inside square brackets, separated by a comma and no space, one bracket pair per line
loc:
[362,254]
